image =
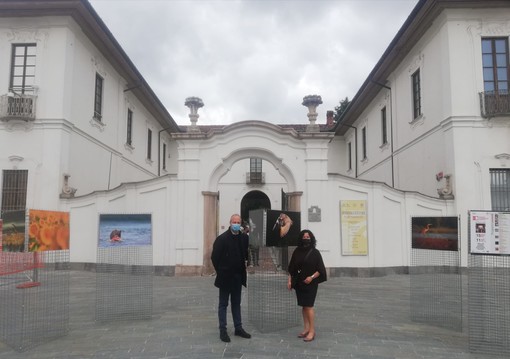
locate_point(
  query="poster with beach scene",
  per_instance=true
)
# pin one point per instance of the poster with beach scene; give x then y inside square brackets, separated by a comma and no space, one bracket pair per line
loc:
[47,230]
[13,231]
[125,230]
[436,233]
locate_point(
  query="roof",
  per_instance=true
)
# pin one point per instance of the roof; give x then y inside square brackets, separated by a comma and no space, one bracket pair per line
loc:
[418,22]
[99,34]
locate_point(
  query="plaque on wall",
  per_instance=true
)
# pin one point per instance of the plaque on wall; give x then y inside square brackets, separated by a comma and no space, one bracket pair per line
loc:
[314,214]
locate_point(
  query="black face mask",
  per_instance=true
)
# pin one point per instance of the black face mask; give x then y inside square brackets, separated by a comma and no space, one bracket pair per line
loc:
[306,242]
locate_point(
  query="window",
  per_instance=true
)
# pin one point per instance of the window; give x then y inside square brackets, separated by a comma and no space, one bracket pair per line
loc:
[149,144]
[129,138]
[349,154]
[500,189]
[364,142]
[416,94]
[22,68]
[164,156]
[384,130]
[255,170]
[14,190]
[495,65]
[98,98]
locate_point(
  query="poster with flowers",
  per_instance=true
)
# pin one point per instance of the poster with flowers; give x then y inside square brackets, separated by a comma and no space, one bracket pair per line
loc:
[48,230]
[13,231]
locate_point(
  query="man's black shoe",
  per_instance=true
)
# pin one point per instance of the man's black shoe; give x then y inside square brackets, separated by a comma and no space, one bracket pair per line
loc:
[241,333]
[224,336]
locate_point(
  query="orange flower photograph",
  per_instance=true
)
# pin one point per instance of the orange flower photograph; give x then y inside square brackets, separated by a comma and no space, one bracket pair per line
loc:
[48,231]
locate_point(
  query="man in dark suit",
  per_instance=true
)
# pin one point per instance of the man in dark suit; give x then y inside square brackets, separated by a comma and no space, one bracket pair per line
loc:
[229,255]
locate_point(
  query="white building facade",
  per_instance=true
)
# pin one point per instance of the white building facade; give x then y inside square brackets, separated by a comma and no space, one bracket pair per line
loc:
[91,137]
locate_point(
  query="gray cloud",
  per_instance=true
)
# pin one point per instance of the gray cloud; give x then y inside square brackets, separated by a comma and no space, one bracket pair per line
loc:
[253,59]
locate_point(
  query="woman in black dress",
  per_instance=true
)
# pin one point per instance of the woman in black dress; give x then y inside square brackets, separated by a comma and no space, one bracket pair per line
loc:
[306,263]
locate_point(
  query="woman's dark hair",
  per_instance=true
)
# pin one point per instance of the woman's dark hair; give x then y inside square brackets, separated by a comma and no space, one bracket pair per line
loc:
[312,238]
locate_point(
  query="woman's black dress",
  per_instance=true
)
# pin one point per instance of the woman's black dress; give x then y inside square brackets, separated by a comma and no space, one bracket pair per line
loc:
[306,293]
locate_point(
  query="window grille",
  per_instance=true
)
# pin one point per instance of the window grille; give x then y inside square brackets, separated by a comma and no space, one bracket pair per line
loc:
[14,190]
[500,189]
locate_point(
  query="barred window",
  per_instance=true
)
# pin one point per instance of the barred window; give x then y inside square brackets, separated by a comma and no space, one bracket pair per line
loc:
[14,190]
[500,189]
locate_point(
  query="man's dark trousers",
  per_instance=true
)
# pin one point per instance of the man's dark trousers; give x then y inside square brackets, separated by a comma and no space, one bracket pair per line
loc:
[234,292]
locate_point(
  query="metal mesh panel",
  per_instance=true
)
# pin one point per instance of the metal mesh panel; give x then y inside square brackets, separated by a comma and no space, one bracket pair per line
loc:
[34,303]
[124,283]
[436,288]
[271,306]
[489,304]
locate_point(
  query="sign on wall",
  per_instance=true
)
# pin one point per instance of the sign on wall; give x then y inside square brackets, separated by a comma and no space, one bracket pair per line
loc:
[353,221]
[489,232]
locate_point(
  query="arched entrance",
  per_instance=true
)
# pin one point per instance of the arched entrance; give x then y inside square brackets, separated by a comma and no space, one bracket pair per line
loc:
[253,200]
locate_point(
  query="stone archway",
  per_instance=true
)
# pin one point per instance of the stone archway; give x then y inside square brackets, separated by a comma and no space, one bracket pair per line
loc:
[212,201]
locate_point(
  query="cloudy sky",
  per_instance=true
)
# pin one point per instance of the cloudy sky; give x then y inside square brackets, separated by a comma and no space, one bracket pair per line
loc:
[253,59]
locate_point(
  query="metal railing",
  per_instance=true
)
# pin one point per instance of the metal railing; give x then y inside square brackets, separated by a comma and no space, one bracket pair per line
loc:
[14,106]
[494,103]
[255,178]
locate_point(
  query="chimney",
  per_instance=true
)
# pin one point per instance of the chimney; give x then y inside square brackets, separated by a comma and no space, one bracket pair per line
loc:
[330,118]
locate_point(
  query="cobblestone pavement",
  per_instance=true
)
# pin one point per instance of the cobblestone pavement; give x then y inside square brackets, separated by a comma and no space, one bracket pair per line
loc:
[355,318]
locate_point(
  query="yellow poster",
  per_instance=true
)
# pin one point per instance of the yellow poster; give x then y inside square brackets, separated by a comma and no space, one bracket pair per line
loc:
[353,220]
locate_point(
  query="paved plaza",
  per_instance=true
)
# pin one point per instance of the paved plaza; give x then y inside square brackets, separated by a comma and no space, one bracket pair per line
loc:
[356,318]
